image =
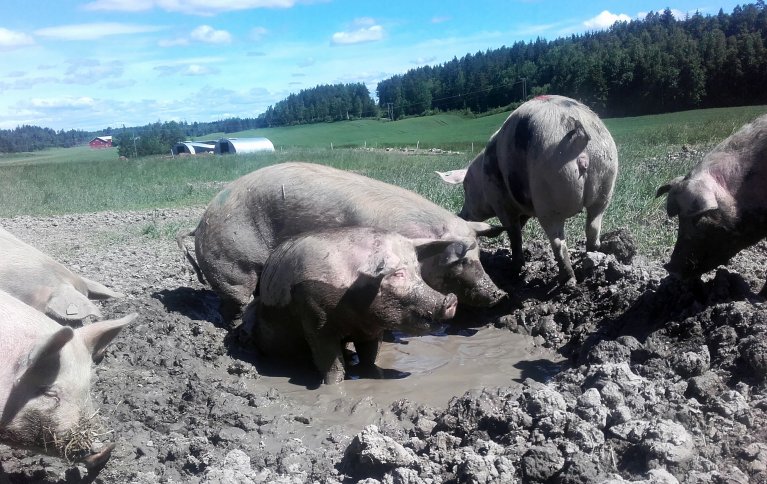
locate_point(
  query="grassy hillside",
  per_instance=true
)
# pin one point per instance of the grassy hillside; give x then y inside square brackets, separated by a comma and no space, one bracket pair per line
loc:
[446,131]
[652,150]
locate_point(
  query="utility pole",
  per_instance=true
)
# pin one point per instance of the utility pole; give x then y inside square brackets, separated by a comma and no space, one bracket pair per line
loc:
[524,88]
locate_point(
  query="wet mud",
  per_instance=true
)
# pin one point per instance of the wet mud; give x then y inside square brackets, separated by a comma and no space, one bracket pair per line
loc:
[627,377]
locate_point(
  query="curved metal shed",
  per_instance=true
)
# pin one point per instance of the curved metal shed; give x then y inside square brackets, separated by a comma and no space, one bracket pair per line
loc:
[243,145]
[193,147]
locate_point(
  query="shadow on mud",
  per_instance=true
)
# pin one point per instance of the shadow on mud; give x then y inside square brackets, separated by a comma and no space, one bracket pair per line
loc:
[195,304]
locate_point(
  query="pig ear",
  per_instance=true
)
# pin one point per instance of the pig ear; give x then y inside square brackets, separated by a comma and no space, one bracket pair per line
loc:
[67,304]
[483,229]
[672,206]
[98,335]
[50,345]
[663,189]
[426,248]
[99,291]
[453,177]
[458,250]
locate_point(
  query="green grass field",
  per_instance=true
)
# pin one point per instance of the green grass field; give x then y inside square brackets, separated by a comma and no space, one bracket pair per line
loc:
[83,180]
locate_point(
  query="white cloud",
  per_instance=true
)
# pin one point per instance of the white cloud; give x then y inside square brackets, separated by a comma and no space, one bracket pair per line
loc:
[173,42]
[258,33]
[373,33]
[191,7]
[10,39]
[199,70]
[439,20]
[62,102]
[88,71]
[207,34]
[605,20]
[94,31]
[363,22]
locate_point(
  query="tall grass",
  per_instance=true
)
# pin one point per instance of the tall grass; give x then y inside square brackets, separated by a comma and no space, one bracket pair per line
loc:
[652,150]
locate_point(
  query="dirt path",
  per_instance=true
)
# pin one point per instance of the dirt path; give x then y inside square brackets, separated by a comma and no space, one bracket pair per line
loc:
[664,383]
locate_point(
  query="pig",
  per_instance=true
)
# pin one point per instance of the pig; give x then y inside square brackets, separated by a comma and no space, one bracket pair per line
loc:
[45,284]
[45,378]
[322,289]
[253,214]
[550,159]
[721,203]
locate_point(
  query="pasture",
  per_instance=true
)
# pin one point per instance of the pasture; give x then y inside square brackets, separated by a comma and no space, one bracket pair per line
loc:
[652,150]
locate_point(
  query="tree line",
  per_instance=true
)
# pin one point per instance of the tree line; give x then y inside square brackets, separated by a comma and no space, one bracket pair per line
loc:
[653,65]
[33,138]
[657,64]
[322,103]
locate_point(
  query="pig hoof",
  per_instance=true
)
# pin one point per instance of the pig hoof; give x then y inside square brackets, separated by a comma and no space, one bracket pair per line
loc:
[98,459]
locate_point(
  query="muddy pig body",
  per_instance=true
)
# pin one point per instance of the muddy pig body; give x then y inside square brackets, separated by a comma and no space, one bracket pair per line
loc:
[45,284]
[721,204]
[551,159]
[251,216]
[322,289]
[45,377]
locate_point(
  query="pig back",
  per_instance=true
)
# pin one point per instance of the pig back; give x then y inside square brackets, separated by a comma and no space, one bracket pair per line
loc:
[538,144]
[24,270]
[246,220]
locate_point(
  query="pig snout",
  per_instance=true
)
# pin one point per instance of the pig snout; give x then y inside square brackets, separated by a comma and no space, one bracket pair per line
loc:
[486,296]
[446,310]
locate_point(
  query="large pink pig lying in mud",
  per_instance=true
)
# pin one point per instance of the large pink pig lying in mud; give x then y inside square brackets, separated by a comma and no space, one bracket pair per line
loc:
[251,216]
[45,284]
[552,158]
[721,203]
[323,289]
[45,377]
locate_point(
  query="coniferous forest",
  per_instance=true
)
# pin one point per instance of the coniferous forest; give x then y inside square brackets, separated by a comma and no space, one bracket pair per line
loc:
[646,66]
[657,64]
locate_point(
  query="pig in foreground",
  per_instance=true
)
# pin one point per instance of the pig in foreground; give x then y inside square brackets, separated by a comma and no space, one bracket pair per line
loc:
[552,158]
[45,284]
[323,289]
[721,203]
[251,216]
[45,378]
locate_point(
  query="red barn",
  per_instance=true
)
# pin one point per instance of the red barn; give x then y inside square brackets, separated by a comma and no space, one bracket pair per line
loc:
[101,142]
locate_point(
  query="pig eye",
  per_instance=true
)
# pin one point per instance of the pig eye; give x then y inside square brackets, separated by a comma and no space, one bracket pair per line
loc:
[51,392]
[399,274]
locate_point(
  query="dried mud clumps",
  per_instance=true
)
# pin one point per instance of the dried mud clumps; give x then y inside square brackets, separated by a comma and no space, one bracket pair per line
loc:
[668,384]
[665,382]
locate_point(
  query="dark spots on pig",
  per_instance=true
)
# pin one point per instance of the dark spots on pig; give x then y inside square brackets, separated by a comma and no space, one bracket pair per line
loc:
[490,165]
[568,103]
[522,134]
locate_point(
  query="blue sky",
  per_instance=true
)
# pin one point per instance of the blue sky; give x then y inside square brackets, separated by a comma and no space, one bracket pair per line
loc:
[89,64]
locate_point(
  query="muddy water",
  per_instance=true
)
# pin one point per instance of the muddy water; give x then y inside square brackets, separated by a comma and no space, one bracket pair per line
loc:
[440,367]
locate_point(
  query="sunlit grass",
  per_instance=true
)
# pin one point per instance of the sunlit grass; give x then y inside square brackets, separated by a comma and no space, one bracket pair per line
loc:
[652,150]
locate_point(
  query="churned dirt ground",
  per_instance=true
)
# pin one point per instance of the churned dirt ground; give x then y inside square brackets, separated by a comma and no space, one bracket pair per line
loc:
[628,377]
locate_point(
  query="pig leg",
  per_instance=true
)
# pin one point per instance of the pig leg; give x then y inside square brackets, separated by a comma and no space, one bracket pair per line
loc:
[514,224]
[555,230]
[328,356]
[367,352]
[594,226]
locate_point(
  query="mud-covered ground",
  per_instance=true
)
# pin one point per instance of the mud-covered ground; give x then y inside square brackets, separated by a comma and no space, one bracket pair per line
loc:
[666,383]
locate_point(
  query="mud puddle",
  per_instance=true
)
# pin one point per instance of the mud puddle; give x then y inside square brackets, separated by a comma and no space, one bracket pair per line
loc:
[440,367]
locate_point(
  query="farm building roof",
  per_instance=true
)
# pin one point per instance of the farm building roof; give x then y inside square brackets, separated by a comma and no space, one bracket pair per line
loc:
[243,145]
